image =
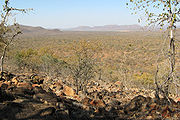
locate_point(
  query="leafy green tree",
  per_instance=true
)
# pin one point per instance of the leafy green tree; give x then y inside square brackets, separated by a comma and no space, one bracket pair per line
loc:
[161,13]
[9,29]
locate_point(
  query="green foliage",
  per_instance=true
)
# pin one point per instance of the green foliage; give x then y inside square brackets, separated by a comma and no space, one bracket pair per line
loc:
[162,12]
[42,60]
[144,79]
[24,58]
[8,29]
[52,65]
[157,12]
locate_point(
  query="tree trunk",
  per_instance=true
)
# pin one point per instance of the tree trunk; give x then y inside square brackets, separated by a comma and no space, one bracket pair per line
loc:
[2,59]
[156,83]
[77,86]
[172,63]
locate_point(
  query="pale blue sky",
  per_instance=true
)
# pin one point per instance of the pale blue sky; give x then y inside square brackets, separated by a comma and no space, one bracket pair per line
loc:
[73,13]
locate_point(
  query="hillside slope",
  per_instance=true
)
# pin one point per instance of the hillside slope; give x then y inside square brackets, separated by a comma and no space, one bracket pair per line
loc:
[29,30]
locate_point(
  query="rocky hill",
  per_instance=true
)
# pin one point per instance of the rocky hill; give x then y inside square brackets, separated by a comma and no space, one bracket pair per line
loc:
[29,30]
[35,97]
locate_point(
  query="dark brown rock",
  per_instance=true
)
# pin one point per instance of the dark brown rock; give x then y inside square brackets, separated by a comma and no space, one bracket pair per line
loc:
[24,85]
[86,101]
[35,79]
[135,104]
[8,111]
[4,86]
[62,115]
[48,111]
[4,96]
[98,103]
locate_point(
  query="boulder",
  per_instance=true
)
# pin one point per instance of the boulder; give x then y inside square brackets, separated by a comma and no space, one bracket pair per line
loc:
[86,101]
[8,83]
[48,111]
[6,76]
[76,97]
[135,104]
[118,83]
[98,103]
[4,86]
[1,82]
[35,79]
[35,85]
[14,80]
[4,96]
[59,85]
[24,85]
[178,99]
[59,93]
[68,91]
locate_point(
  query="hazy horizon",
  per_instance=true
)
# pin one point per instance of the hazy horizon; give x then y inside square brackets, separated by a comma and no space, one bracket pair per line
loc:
[69,14]
[64,14]
[79,26]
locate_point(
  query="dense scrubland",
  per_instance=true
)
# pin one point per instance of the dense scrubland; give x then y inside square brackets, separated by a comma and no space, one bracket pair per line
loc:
[88,76]
[129,57]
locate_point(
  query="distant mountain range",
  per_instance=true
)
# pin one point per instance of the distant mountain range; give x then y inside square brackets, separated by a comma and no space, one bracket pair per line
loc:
[29,30]
[107,28]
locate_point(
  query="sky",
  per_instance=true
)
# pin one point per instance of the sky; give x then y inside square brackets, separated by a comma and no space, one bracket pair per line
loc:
[73,13]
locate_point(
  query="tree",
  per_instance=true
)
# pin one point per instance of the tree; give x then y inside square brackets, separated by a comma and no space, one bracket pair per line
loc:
[8,29]
[161,13]
[83,63]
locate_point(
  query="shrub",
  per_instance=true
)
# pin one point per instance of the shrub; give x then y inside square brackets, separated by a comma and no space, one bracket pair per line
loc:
[144,79]
[83,62]
[25,58]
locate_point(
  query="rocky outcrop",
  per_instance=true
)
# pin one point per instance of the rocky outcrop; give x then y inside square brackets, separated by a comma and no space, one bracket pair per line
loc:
[24,99]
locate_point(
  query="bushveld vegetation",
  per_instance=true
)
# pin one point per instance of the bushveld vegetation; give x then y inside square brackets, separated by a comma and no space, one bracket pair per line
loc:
[129,57]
